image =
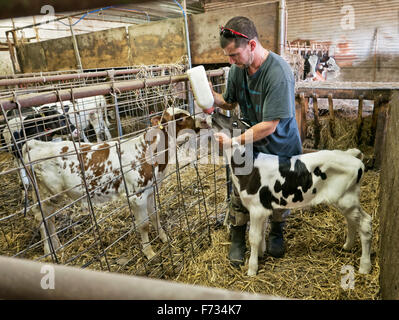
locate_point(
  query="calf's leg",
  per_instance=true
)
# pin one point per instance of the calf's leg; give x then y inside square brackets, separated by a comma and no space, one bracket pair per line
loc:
[358,220]
[155,220]
[52,232]
[257,222]
[143,225]
[366,235]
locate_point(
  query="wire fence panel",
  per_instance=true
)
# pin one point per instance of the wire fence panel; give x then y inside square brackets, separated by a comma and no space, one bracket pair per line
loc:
[73,173]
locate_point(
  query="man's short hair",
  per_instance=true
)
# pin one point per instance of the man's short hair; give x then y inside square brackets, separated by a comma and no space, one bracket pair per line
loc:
[242,25]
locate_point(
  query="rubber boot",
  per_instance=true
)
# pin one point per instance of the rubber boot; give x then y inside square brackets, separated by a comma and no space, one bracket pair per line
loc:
[275,245]
[237,247]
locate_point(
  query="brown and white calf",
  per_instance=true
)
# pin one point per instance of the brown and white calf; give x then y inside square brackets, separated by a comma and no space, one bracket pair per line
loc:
[61,175]
[272,182]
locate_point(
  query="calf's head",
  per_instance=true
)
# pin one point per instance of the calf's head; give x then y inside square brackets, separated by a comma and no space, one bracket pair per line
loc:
[50,119]
[176,122]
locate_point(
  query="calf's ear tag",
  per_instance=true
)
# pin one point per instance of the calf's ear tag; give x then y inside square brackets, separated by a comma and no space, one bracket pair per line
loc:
[160,125]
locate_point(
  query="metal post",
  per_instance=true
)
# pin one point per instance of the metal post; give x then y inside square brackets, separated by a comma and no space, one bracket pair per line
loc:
[12,53]
[190,95]
[282,27]
[34,99]
[36,29]
[75,46]
[25,279]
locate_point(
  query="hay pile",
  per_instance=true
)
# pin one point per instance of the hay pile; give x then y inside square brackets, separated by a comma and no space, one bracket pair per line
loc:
[311,267]
[113,233]
[312,264]
[343,135]
[16,232]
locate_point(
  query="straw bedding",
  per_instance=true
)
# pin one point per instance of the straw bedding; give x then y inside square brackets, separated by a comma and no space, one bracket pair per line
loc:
[198,246]
[311,267]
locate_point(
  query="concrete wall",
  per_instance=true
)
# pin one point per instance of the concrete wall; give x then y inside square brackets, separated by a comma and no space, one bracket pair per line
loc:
[46,32]
[5,63]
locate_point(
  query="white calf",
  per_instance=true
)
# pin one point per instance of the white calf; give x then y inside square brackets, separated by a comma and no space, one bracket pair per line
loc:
[62,175]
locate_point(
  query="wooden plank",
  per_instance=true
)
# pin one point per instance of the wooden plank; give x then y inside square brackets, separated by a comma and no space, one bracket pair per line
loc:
[31,57]
[332,116]
[298,117]
[204,30]
[104,49]
[381,132]
[360,120]
[304,108]
[317,127]
[388,210]
[368,94]
[374,118]
[59,54]
[158,42]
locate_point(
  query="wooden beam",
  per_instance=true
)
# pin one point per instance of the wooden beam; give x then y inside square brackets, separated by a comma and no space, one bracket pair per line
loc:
[316,122]
[381,132]
[360,120]
[300,116]
[303,116]
[332,116]
[374,118]
[388,209]
[368,94]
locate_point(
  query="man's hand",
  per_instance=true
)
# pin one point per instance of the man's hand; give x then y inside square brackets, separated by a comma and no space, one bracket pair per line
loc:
[223,140]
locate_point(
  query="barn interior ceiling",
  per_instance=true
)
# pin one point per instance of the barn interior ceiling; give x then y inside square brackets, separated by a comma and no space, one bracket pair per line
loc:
[128,9]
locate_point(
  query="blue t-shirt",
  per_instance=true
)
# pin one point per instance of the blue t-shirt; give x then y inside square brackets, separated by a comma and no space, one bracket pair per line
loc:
[268,95]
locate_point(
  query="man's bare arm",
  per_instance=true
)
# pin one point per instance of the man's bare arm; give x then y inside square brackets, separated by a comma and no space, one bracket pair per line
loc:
[258,131]
[219,100]
[221,103]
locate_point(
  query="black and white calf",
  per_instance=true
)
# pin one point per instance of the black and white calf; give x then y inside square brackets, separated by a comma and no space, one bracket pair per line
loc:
[88,112]
[328,176]
[42,125]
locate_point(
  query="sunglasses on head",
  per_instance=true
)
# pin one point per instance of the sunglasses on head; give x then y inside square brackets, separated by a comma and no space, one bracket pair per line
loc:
[230,33]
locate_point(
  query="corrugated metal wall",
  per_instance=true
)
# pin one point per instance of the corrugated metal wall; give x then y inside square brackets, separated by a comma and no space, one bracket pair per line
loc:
[363,35]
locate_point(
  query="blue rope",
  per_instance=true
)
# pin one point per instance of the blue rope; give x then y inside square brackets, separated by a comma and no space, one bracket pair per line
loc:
[102,9]
[184,13]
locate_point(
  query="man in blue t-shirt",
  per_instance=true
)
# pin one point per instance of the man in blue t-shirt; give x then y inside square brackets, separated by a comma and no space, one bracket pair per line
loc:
[263,85]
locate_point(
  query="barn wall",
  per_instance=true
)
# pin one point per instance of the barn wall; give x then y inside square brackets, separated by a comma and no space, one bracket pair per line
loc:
[5,63]
[108,48]
[149,43]
[367,50]
[158,42]
[204,29]
[389,207]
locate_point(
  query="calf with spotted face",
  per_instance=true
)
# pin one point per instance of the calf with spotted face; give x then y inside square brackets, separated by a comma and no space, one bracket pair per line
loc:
[60,176]
[328,176]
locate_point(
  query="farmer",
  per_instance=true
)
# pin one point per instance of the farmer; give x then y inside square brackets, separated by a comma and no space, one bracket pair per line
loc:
[262,83]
